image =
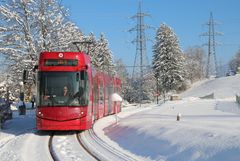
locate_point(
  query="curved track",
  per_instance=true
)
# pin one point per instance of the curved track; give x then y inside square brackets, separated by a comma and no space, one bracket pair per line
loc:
[85,148]
[84,145]
[65,146]
[101,149]
[50,147]
[22,142]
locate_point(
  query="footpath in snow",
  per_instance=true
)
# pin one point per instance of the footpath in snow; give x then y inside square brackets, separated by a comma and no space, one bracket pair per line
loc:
[209,129]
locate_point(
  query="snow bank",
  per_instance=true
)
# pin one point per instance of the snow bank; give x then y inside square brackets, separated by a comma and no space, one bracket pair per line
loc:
[224,87]
[209,129]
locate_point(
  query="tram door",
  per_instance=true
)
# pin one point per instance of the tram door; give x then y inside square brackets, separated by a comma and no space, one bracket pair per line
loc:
[110,103]
[95,98]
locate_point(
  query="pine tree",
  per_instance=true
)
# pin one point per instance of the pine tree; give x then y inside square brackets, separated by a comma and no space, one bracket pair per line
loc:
[93,49]
[168,61]
[104,58]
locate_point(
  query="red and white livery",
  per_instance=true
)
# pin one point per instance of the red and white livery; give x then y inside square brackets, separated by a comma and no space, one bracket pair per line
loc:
[88,92]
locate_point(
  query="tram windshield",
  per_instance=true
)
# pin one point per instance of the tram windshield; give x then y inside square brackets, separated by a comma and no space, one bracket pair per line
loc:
[63,88]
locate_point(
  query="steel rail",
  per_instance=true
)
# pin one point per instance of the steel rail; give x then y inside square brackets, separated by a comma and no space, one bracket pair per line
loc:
[85,148]
[107,152]
[50,147]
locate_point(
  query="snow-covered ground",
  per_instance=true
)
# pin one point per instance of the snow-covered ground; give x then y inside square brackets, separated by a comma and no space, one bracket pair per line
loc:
[208,130]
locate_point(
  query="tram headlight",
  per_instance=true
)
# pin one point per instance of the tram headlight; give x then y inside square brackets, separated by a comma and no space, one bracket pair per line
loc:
[81,113]
[40,113]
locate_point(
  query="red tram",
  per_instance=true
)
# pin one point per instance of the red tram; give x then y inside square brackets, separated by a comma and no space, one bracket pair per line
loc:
[71,94]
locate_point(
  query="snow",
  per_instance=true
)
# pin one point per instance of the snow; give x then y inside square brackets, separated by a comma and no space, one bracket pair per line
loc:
[208,130]
[223,87]
[15,130]
[115,97]
[66,147]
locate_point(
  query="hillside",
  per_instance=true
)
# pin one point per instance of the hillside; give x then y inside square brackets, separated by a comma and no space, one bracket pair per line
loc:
[208,129]
[224,87]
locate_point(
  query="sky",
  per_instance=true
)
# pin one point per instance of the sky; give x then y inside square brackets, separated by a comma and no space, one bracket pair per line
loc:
[186,17]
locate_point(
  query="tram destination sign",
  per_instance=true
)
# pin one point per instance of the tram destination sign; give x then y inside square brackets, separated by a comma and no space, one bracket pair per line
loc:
[61,62]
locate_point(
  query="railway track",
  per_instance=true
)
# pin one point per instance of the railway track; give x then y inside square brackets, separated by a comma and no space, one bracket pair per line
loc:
[84,145]
[65,146]
[100,149]
[85,148]
[50,147]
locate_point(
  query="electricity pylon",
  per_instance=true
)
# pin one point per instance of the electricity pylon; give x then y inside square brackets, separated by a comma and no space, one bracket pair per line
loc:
[141,60]
[211,68]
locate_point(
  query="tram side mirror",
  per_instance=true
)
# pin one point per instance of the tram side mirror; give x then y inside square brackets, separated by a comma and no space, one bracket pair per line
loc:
[35,68]
[77,77]
[38,76]
[82,75]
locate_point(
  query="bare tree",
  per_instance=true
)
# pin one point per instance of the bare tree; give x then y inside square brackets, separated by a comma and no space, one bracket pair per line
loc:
[235,62]
[195,63]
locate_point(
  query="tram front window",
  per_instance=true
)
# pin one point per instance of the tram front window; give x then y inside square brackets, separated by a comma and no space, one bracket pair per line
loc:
[63,88]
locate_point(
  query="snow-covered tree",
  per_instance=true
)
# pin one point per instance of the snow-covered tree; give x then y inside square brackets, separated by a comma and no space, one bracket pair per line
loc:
[91,48]
[141,89]
[17,28]
[66,36]
[28,27]
[235,62]
[195,63]
[149,85]
[122,73]
[103,58]
[168,60]
[50,19]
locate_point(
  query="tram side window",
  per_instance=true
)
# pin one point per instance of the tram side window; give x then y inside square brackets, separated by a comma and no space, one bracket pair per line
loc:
[83,88]
[106,95]
[117,89]
[95,89]
[101,94]
[110,92]
[86,89]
